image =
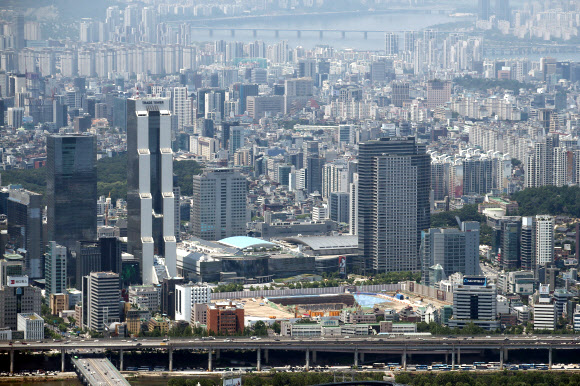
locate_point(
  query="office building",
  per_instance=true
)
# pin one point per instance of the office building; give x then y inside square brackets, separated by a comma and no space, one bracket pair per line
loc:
[168,295]
[55,261]
[32,325]
[527,245]
[438,93]
[400,93]
[475,301]
[145,297]
[187,296]
[483,9]
[101,290]
[18,299]
[11,264]
[453,249]
[393,202]
[219,204]
[261,106]
[236,139]
[510,245]
[338,206]
[24,212]
[87,260]
[150,200]
[545,315]
[225,318]
[15,117]
[110,254]
[71,188]
[297,92]
[58,303]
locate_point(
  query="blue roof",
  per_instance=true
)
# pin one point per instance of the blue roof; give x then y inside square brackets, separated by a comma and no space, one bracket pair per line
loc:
[242,242]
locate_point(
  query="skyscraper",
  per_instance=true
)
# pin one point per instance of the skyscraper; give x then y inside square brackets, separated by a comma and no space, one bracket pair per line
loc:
[483,9]
[219,204]
[102,295]
[24,212]
[544,240]
[71,188]
[55,268]
[502,10]
[455,250]
[391,43]
[150,200]
[182,107]
[393,202]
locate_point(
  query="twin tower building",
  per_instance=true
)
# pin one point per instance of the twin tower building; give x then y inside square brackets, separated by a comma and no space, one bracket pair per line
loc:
[72,187]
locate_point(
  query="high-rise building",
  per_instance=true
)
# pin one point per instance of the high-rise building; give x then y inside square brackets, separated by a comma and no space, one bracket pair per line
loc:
[338,205]
[186,296]
[150,200]
[502,10]
[55,268]
[18,30]
[527,244]
[510,245]
[453,249]
[219,204]
[393,202]
[71,188]
[24,212]
[391,43]
[400,93]
[236,139]
[182,107]
[544,240]
[438,92]
[16,300]
[483,9]
[102,294]
[87,260]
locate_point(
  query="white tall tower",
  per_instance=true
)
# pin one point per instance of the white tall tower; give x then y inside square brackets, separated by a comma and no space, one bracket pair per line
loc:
[150,199]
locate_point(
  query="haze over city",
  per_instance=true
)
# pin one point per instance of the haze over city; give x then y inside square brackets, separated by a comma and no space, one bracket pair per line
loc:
[289,192]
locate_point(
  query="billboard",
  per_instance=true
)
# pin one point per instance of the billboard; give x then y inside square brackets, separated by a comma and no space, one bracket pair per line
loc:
[17,281]
[544,289]
[480,281]
[233,382]
[342,266]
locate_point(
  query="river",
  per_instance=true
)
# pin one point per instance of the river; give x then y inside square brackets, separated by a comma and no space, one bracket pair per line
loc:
[395,21]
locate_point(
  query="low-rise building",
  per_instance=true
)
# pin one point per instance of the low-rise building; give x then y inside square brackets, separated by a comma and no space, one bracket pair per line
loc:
[225,318]
[58,303]
[160,323]
[32,325]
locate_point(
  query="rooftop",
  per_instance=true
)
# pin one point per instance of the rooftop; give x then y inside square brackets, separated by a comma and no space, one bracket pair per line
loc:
[243,242]
[317,243]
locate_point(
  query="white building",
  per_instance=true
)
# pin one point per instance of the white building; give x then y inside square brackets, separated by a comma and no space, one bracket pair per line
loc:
[150,200]
[545,315]
[544,239]
[145,297]
[182,107]
[32,325]
[186,296]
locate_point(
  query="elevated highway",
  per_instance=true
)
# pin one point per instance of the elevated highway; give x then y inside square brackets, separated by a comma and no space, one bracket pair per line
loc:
[98,372]
[357,345]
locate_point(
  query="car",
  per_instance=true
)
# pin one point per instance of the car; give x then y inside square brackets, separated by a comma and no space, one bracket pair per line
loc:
[138,344]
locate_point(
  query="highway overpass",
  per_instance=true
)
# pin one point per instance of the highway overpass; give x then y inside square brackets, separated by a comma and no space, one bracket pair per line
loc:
[357,346]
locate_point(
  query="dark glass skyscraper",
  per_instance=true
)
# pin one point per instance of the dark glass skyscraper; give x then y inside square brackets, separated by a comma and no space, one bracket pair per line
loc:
[71,188]
[393,202]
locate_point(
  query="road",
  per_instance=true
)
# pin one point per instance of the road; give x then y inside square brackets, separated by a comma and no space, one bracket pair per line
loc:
[379,343]
[99,371]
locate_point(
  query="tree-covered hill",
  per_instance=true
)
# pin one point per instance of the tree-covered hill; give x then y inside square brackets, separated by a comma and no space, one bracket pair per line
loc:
[550,200]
